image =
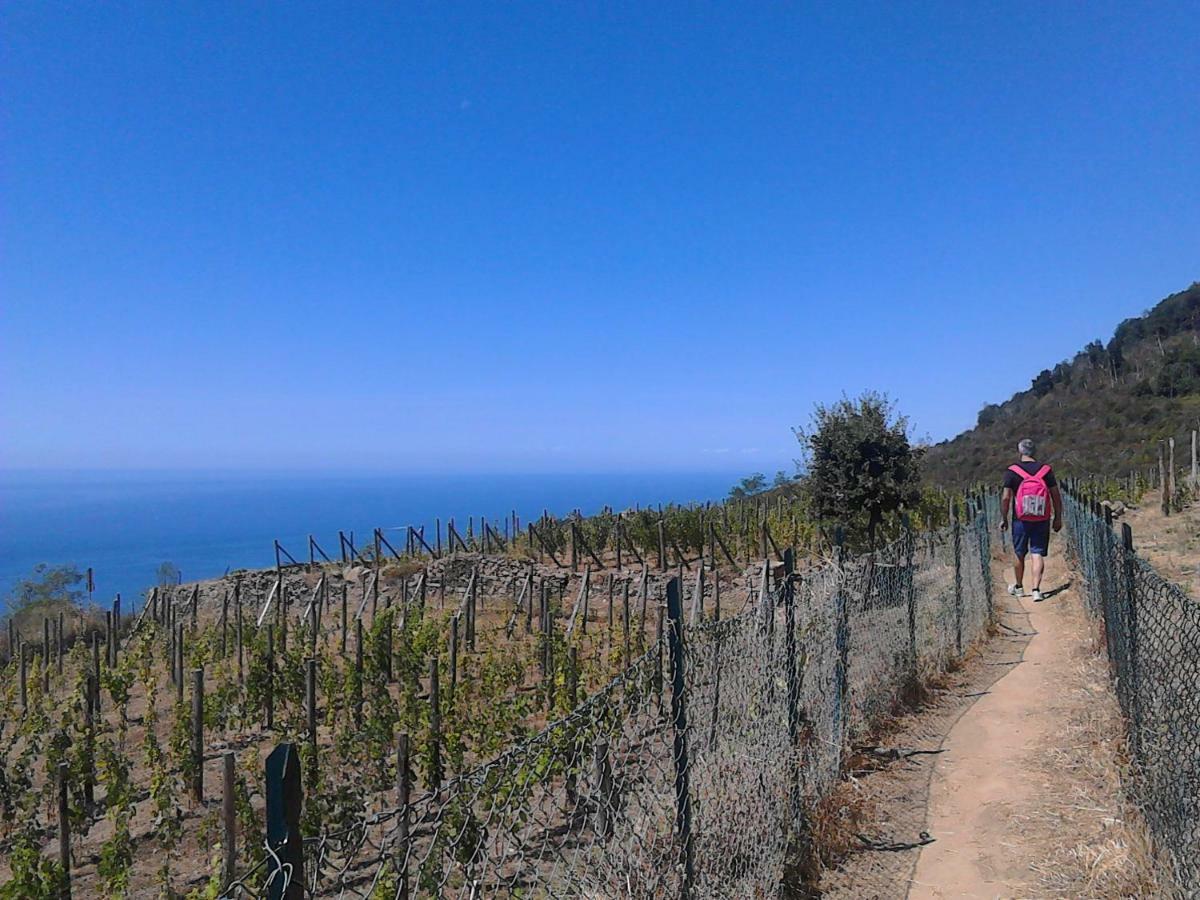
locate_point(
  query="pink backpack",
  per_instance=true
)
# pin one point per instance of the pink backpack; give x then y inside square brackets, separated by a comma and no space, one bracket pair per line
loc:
[1033,497]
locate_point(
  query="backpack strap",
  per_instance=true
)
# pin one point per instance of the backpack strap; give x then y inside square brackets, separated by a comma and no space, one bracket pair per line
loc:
[1042,473]
[1017,470]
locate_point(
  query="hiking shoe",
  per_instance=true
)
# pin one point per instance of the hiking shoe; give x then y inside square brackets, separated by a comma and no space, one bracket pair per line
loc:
[1016,590]
[1037,596]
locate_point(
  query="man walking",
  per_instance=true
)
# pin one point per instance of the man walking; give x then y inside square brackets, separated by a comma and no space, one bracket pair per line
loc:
[1032,497]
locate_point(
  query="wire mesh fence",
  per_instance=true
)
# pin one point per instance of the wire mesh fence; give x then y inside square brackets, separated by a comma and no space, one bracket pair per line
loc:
[694,771]
[1152,637]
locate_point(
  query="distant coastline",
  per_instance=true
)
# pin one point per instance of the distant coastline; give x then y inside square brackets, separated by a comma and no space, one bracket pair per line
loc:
[125,524]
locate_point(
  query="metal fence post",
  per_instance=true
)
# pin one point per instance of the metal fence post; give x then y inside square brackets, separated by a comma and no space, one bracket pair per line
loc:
[679,723]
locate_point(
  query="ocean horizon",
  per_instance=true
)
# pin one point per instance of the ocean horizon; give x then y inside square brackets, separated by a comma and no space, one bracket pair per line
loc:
[125,524]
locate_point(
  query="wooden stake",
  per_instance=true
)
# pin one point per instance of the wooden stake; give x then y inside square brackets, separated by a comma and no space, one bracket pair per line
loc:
[198,734]
[228,820]
[64,832]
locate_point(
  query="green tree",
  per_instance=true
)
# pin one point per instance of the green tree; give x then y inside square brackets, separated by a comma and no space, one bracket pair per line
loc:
[749,486]
[861,464]
[47,584]
[168,575]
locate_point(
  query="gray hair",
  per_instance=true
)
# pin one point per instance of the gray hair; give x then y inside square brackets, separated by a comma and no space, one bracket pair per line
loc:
[1026,447]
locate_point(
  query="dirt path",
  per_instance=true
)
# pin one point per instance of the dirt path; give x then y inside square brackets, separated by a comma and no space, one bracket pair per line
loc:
[1026,800]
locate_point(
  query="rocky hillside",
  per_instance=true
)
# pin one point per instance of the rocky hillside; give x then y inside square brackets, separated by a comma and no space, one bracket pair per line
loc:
[1101,412]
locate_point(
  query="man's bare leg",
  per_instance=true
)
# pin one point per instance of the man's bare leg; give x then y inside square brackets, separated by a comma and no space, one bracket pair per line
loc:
[1038,566]
[1019,571]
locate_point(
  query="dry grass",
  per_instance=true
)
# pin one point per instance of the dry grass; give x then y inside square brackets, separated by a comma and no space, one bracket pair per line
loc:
[1097,843]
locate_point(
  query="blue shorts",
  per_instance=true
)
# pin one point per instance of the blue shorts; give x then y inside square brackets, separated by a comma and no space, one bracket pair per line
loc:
[1031,537]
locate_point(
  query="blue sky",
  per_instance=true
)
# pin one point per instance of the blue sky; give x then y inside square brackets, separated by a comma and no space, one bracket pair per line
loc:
[443,237]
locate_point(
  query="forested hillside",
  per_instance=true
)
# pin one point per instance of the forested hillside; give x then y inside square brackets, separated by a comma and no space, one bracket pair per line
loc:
[1101,412]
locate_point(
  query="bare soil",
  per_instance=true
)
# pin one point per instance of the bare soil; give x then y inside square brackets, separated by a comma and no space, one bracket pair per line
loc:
[1027,800]
[1007,780]
[1169,543]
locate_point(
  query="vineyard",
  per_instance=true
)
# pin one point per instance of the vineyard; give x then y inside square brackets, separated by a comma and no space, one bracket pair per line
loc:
[635,705]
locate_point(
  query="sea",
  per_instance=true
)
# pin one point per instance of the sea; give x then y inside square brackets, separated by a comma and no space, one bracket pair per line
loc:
[124,525]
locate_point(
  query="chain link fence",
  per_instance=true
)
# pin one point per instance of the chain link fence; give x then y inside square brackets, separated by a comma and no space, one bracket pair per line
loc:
[1152,637]
[695,771]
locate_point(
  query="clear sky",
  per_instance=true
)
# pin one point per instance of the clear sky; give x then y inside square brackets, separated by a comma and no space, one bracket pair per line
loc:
[567,236]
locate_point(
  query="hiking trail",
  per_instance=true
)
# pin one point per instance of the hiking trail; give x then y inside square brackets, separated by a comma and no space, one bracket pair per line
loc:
[1017,784]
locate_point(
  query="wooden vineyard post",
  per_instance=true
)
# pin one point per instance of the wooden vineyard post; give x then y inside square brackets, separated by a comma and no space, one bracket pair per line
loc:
[269,691]
[1130,575]
[792,674]
[1162,481]
[310,707]
[1171,487]
[62,641]
[403,795]
[198,735]
[548,651]
[435,727]
[958,592]
[572,679]
[1195,459]
[64,833]
[644,594]
[609,641]
[662,547]
[345,601]
[237,609]
[679,725]
[224,624]
[89,739]
[96,672]
[228,820]
[358,670]
[285,862]
[910,582]
[453,654]
[529,601]
[472,600]
[842,640]
[698,596]
[24,677]
[179,663]
[625,652]
[603,777]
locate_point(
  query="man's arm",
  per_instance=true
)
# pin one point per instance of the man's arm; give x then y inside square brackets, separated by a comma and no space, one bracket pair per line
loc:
[1056,494]
[1006,500]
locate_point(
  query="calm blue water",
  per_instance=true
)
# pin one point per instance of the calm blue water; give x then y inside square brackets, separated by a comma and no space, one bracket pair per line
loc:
[125,525]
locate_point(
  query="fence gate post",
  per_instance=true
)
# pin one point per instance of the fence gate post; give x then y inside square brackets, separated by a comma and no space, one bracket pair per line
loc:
[679,723]
[285,862]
